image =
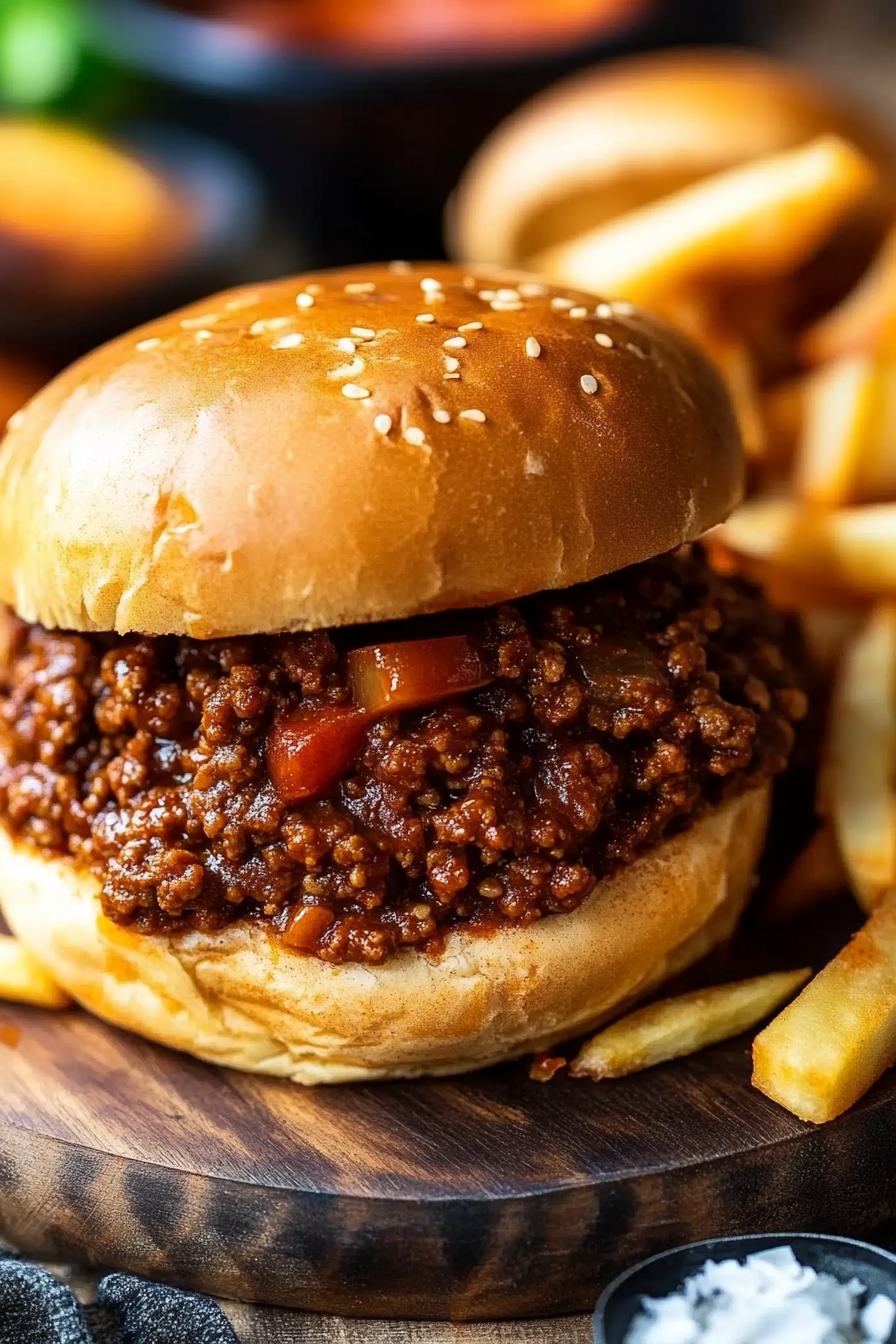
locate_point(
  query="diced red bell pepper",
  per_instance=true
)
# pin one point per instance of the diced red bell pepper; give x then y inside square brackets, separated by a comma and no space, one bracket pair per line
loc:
[311,747]
[385,678]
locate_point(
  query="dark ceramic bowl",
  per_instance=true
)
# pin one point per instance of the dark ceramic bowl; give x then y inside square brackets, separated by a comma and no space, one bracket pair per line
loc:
[662,1274]
[238,240]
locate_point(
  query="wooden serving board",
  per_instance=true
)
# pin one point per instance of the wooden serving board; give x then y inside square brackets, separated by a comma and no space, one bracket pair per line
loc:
[481,1197]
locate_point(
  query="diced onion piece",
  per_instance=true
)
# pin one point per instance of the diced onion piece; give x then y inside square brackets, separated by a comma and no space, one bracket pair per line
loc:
[310,748]
[613,665]
[410,675]
[306,924]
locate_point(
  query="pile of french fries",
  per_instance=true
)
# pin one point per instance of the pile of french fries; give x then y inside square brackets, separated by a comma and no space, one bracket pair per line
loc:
[819,530]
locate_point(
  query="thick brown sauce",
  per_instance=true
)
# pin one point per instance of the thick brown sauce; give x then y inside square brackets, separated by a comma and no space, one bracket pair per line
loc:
[619,709]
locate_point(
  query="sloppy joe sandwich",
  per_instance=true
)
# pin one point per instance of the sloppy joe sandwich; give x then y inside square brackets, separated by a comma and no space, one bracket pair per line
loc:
[369,707]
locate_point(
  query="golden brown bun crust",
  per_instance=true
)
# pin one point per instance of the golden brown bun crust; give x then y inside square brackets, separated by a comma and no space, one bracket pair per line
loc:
[233,998]
[209,475]
[611,139]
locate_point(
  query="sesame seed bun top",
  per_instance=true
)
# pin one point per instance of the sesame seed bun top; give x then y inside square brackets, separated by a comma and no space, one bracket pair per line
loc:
[354,446]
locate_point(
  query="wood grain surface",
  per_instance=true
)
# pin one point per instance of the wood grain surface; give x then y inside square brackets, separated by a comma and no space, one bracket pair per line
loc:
[481,1197]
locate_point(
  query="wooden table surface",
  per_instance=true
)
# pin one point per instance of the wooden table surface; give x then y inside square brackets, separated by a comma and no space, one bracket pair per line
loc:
[275,1327]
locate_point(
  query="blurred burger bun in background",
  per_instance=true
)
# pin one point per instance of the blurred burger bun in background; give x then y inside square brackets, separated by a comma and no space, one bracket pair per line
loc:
[611,139]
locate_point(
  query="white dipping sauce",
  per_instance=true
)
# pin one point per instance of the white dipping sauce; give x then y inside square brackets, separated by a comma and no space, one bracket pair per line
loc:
[769,1299]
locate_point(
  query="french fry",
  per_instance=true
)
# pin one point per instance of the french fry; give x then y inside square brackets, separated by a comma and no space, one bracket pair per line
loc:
[847,447]
[757,220]
[845,551]
[24,980]
[836,411]
[736,365]
[826,631]
[861,758]
[856,324]
[782,406]
[690,310]
[815,876]
[826,1048]
[683,1025]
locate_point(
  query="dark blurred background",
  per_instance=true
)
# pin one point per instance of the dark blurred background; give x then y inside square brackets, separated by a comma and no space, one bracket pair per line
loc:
[239,139]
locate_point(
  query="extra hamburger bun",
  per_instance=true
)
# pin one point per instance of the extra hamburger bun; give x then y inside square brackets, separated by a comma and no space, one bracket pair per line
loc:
[614,138]
[235,998]
[238,467]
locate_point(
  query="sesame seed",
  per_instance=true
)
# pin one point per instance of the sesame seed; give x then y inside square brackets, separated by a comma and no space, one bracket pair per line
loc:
[268,324]
[603,310]
[421,911]
[243,301]
[486,295]
[355,392]
[588,383]
[15,419]
[508,295]
[360,287]
[451,375]
[314,289]
[364,333]
[305,300]
[452,364]
[532,290]
[207,319]
[603,339]
[368,401]
[471,326]
[414,436]
[441,417]
[425,317]
[430,286]
[478,416]
[578,312]
[150,343]
[505,306]
[399,267]
[559,303]
[288,342]
[348,370]
[533,349]
[636,350]
[382,424]
[203,335]
[347,344]
[455,343]
[624,308]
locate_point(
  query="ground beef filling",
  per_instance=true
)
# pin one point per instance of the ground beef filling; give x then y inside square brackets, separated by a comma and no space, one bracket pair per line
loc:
[619,710]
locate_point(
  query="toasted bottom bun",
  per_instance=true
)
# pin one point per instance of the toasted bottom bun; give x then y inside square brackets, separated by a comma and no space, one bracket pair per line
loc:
[236,998]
